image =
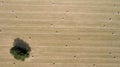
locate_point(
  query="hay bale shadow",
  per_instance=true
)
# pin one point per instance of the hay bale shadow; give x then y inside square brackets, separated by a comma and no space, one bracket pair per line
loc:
[20,49]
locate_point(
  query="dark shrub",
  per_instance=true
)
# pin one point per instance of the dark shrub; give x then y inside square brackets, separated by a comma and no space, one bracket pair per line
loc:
[20,49]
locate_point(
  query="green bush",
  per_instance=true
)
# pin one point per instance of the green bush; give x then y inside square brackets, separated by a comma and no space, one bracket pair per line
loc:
[20,49]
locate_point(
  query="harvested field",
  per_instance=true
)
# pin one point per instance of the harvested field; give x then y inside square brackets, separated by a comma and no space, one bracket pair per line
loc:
[61,33]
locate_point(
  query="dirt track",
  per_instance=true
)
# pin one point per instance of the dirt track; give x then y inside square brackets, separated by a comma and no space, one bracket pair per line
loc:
[62,33]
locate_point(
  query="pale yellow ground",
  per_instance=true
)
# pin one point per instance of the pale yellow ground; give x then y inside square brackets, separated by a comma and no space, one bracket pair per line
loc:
[64,33]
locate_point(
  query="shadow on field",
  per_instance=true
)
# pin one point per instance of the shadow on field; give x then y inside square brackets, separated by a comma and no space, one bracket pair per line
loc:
[20,49]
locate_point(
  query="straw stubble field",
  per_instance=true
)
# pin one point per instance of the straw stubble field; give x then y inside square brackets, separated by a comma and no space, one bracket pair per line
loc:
[61,33]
